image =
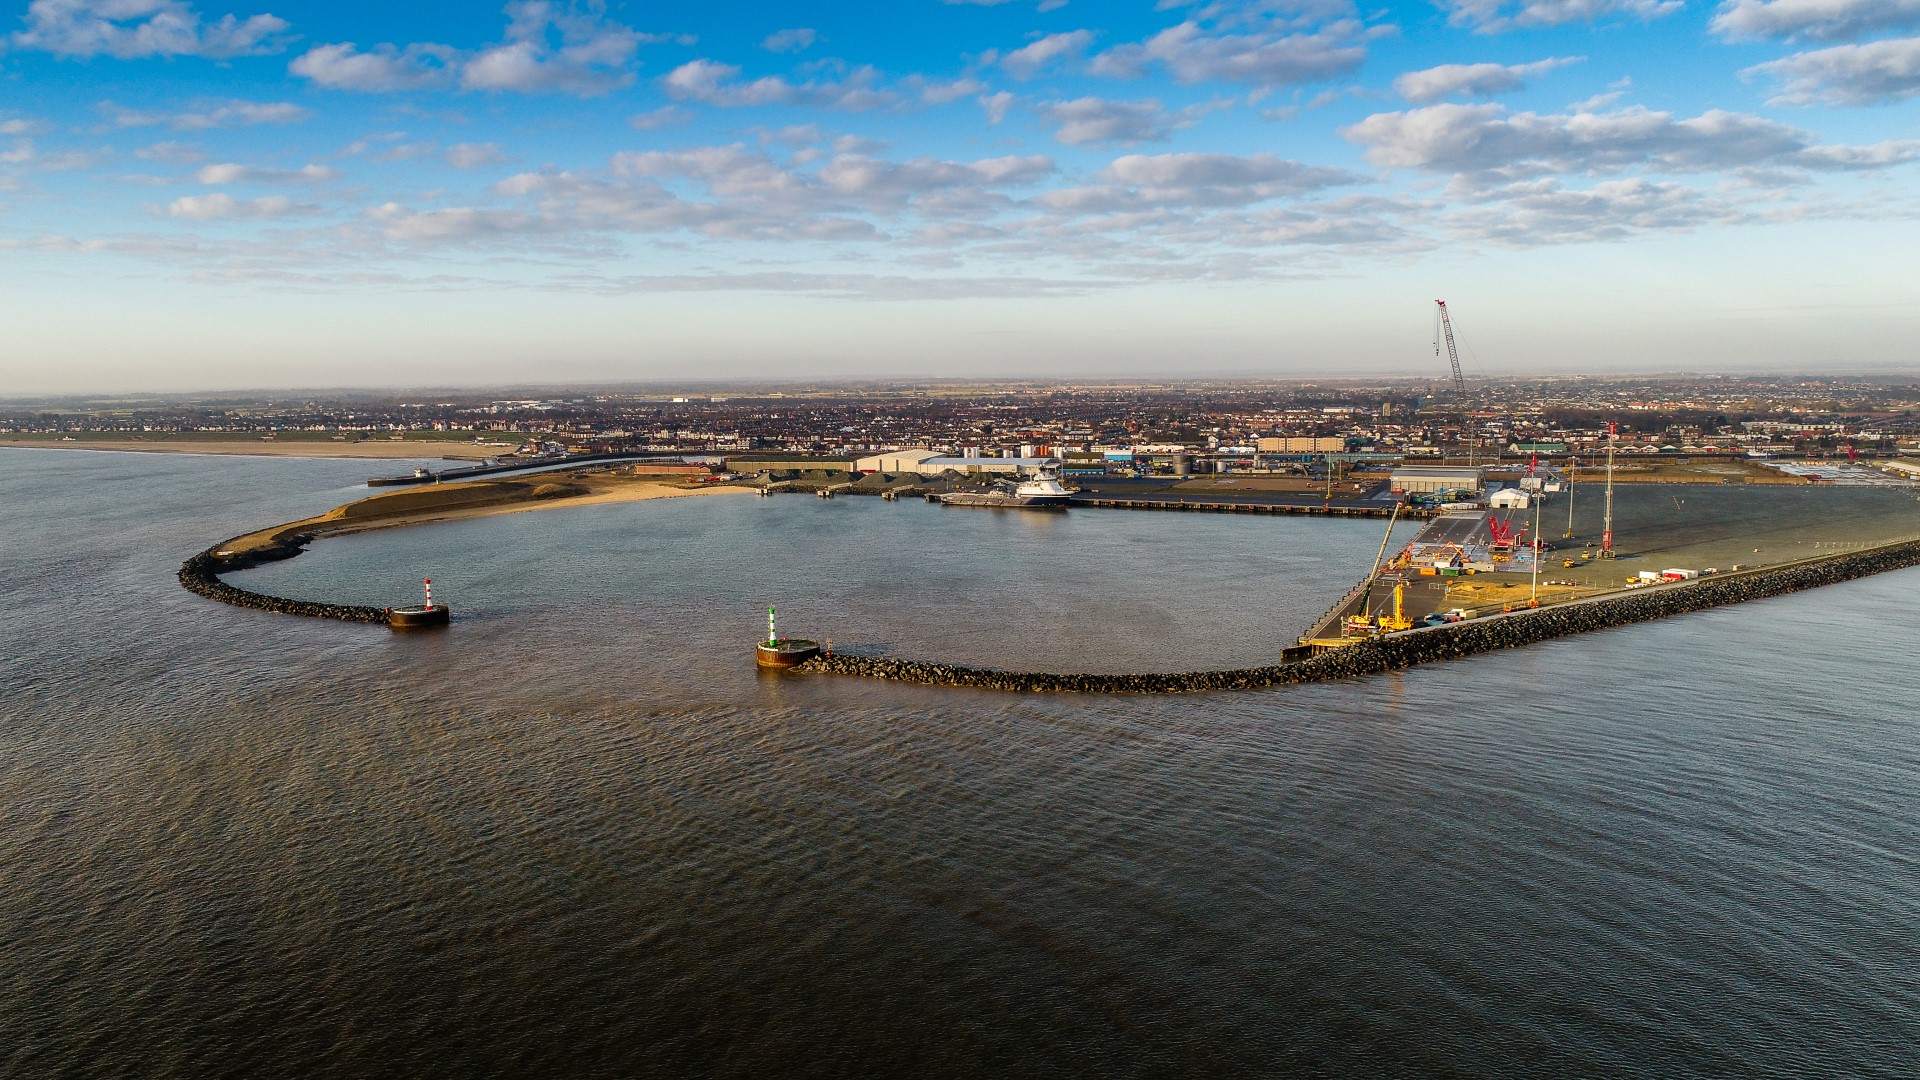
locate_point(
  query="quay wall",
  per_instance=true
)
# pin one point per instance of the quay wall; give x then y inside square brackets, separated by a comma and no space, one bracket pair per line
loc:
[201,574]
[1412,647]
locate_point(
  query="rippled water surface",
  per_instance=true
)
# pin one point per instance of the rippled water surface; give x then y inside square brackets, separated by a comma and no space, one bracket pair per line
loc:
[579,834]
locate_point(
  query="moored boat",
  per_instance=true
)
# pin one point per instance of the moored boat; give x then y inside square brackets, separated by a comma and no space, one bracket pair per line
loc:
[1041,491]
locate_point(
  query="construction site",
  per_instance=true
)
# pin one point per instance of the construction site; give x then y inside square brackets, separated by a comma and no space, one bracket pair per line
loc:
[1552,538]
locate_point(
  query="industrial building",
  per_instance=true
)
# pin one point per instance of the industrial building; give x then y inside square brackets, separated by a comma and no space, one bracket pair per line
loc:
[769,463]
[1002,466]
[895,461]
[1541,478]
[1426,479]
[1293,444]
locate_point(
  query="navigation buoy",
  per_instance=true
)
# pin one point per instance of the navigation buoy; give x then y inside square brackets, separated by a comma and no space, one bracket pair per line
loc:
[427,614]
[779,652]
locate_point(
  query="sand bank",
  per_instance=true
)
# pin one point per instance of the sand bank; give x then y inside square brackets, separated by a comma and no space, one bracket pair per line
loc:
[475,498]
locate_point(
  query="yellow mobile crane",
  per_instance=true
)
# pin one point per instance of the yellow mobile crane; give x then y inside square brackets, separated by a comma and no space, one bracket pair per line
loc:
[1366,625]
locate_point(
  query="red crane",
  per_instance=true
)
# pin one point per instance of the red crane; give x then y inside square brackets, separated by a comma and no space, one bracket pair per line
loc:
[1501,533]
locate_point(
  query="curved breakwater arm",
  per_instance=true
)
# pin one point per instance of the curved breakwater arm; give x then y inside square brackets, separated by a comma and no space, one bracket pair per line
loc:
[201,574]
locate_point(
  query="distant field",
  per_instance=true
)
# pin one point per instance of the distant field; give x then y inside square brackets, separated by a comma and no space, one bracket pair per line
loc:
[159,437]
[458,445]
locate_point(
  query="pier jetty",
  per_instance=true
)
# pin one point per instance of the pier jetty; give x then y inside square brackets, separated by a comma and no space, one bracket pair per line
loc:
[1392,652]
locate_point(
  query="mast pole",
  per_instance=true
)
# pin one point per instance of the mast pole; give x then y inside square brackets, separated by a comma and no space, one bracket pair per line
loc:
[1573,470]
[1606,534]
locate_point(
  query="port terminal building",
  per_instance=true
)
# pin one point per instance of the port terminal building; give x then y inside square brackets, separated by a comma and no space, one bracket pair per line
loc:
[1427,479]
[981,466]
[896,461]
[934,463]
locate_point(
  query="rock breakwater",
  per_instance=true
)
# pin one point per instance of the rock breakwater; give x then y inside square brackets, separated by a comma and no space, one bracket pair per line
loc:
[1411,647]
[201,574]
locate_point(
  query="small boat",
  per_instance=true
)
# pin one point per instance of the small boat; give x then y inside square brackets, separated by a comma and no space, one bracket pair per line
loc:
[1042,491]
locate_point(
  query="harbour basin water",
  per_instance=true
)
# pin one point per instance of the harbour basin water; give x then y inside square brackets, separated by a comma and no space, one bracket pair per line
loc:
[580,833]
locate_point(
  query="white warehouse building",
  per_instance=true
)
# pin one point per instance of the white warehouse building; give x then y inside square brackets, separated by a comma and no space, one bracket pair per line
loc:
[894,461]
[1421,479]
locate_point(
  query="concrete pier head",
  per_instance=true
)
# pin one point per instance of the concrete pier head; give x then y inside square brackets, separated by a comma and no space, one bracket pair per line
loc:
[785,652]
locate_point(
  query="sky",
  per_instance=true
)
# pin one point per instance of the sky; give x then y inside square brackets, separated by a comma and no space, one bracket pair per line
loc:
[206,194]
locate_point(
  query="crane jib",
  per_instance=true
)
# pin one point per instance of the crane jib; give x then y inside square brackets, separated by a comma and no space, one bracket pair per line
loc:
[1453,354]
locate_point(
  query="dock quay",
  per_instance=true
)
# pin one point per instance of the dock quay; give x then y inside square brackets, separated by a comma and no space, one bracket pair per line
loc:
[1316,508]
[1424,645]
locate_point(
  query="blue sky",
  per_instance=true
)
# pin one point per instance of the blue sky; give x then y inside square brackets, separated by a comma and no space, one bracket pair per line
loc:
[258,193]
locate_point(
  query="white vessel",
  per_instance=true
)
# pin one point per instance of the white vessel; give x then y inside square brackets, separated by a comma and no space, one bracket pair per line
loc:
[1043,489]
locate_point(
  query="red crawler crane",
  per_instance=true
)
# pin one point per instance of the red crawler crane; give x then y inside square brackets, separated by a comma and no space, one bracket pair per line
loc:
[1501,534]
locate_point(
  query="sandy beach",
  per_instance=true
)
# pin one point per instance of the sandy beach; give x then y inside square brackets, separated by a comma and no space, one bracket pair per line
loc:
[479,498]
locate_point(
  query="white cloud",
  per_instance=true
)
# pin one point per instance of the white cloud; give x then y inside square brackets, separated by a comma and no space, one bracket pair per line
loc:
[1479,80]
[17,125]
[554,47]
[548,46]
[1871,74]
[1138,181]
[860,286]
[1029,60]
[382,69]
[368,142]
[406,151]
[996,106]
[1495,16]
[1486,143]
[796,39]
[875,182]
[210,115]
[1101,120]
[664,116]
[229,173]
[723,170]
[474,155]
[221,206]
[1226,44]
[128,29]
[451,223]
[734,192]
[171,153]
[714,83]
[1817,20]
[25,155]
[1543,212]
[940,91]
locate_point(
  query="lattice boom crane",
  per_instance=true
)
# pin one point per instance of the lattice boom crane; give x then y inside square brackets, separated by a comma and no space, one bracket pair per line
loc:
[1443,331]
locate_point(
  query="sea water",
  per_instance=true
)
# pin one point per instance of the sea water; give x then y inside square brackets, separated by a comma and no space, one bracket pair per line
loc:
[578,833]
